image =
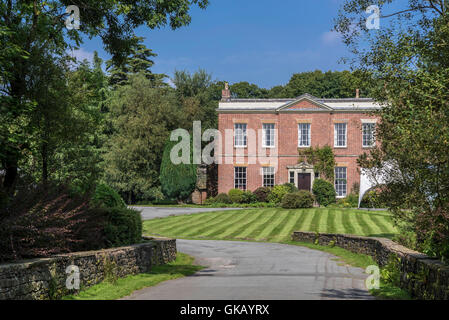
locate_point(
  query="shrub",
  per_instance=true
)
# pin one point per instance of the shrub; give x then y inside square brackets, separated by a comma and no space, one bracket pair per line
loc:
[249,197]
[222,198]
[41,221]
[262,194]
[277,193]
[373,199]
[291,187]
[300,199]
[324,192]
[235,195]
[106,197]
[123,227]
[178,181]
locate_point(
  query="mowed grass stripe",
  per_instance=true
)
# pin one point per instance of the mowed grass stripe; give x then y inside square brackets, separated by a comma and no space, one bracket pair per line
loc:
[235,220]
[183,224]
[277,229]
[280,215]
[173,222]
[347,223]
[288,228]
[257,231]
[315,220]
[362,220]
[239,229]
[373,224]
[330,221]
[265,218]
[300,222]
[339,224]
[307,222]
[384,223]
[210,224]
[188,230]
[322,224]
[355,224]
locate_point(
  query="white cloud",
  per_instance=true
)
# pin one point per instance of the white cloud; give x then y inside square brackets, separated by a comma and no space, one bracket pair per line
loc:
[330,37]
[81,54]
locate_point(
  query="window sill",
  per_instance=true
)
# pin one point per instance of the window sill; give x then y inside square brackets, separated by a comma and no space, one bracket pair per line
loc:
[340,147]
[269,147]
[303,147]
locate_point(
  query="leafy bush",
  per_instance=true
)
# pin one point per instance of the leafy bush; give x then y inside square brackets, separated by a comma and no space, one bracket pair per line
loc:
[277,193]
[249,197]
[324,192]
[373,199]
[123,227]
[178,181]
[291,187]
[106,197]
[44,220]
[222,198]
[300,199]
[262,194]
[235,195]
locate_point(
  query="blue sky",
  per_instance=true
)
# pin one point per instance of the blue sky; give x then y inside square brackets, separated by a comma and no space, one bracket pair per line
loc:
[262,42]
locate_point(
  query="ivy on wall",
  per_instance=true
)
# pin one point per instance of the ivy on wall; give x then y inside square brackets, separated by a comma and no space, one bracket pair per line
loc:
[322,158]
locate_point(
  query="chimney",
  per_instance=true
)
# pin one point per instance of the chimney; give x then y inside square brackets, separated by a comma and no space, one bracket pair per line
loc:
[226,93]
[357,93]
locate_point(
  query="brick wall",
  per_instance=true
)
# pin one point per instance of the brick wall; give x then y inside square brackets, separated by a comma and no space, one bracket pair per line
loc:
[286,123]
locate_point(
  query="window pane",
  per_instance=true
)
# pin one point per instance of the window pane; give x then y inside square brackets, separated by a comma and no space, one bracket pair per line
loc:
[340,181]
[268,176]
[240,178]
[368,134]
[304,134]
[240,134]
[268,134]
[292,177]
[340,135]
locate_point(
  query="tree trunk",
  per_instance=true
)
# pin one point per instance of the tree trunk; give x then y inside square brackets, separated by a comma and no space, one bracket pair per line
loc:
[9,182]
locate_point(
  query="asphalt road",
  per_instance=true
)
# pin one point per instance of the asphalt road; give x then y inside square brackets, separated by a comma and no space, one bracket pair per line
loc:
[259,271]
[149,213]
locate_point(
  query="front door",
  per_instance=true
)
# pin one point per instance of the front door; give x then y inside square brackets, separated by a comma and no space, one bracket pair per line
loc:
[304,180]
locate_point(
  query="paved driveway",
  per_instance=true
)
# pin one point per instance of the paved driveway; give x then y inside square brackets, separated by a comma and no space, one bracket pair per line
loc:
[149,213]
[252,270]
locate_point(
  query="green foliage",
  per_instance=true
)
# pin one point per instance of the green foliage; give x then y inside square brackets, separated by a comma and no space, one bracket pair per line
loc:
[222,198]
[262,194]
[178,181]
[277,193]
[373,199]
[142,118]
[322,158]
[106,197]
[300,199]
[324,192]
[249,197]
[123,227]
[291,187]
[235,195]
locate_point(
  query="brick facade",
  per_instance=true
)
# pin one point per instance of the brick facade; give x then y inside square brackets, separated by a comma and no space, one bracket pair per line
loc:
[286,119]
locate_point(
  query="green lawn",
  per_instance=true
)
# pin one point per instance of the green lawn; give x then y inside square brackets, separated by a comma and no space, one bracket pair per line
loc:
[271,224]
[182,266]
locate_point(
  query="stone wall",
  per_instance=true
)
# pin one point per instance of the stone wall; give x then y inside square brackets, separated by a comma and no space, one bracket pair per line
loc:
[422,276]
[45,278]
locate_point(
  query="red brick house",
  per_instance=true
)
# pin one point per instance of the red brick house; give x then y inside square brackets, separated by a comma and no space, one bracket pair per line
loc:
[278,127]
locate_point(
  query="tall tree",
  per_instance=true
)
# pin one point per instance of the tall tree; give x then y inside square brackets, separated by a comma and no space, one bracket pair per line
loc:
[139,61]
[142,118]
[409,54]
[37,28]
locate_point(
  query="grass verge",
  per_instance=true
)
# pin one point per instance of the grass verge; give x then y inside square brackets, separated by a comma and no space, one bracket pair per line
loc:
[122,287]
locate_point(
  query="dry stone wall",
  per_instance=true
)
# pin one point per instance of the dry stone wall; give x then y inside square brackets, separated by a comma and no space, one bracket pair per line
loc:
[422,276]
[45,278]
